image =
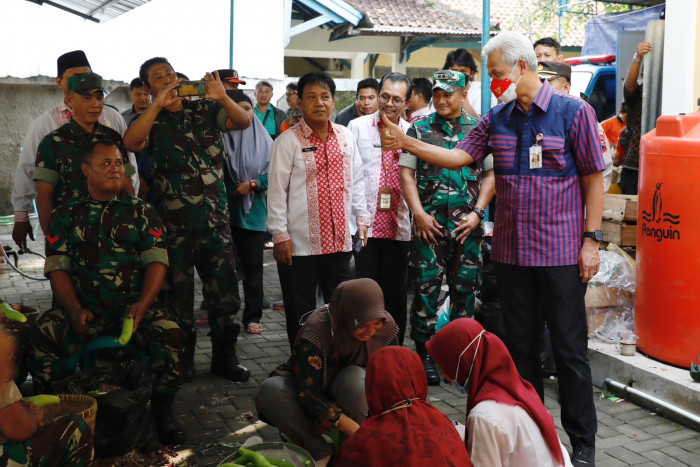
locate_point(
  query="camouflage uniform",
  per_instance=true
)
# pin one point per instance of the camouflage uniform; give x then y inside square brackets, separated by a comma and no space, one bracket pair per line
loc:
[186,154]
[60,155]
[67,440]
[447,195]
[106,247]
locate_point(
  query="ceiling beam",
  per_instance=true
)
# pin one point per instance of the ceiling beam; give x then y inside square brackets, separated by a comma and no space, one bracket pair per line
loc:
[310,24]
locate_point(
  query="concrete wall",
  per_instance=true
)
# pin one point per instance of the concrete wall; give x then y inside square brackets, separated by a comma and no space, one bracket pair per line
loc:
[23,100]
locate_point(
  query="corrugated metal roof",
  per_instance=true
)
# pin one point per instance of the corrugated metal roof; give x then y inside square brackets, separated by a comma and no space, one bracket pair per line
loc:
[94,10]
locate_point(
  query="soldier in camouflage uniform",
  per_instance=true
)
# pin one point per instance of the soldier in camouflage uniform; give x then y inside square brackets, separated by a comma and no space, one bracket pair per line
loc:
[106,258]
[448,207]
[186,153]
[58,175]
[26,438]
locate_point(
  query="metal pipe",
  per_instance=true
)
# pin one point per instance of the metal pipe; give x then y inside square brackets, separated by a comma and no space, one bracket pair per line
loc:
[671,411]
[485,36]
[230,56]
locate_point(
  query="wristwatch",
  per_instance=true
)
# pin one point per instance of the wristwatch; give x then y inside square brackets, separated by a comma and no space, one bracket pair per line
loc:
[253,184]
[480,212]
[636,59]
[596,235]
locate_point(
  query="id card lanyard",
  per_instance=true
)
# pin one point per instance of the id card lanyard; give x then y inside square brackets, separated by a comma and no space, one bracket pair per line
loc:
[536,153]
[386,193]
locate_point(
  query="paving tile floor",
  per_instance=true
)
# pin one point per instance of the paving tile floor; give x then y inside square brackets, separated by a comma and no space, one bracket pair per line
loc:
[219,415]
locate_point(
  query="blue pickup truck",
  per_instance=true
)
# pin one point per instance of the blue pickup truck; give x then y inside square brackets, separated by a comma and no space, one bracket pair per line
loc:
[595,76]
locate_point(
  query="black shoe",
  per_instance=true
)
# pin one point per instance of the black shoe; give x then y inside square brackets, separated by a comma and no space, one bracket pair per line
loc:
[266,303]
[431,372]
[170,433]
[224,361]
[584,456]
[228,367]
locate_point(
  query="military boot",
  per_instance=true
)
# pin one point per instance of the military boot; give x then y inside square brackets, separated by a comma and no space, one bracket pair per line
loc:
[428,364]
[224,361]
[170,433]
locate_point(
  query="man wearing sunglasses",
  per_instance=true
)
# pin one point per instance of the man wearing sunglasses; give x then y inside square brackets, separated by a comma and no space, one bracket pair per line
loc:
[448,208]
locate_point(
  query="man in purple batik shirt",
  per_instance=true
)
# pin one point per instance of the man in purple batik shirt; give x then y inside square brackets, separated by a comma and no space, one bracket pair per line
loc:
[548,166]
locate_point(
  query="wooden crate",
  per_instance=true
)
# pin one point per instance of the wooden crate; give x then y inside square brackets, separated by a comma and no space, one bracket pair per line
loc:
[620,207]
[619,233]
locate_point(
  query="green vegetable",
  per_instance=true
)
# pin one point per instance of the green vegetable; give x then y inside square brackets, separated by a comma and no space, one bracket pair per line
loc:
[228,464]
[279,463]
[307,463]
[12,314]
[42,400]
[258,459]
[127,330]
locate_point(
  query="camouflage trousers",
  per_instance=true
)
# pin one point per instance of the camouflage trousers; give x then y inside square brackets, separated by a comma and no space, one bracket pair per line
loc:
[67,440]
[211,253]
[429,264]
[158,337]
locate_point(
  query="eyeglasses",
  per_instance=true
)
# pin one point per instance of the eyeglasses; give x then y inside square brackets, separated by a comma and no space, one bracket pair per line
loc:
[394,100]
[290,94]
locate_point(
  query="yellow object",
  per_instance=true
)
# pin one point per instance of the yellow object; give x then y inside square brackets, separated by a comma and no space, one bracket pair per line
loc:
[42,400]
[12,314]
[127,330]
[615,189]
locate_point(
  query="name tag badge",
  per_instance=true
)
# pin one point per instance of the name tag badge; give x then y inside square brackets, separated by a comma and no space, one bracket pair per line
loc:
[386,196]
[312,148]
[535,157]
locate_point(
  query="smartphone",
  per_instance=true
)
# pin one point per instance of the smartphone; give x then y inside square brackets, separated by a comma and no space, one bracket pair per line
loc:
[192,88]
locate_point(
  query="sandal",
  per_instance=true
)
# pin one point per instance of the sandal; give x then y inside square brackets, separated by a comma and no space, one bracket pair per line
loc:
[253,328]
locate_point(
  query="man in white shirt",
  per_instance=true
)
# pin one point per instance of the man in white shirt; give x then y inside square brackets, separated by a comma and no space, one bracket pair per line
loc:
[315,186]
[385,258]
[24,190]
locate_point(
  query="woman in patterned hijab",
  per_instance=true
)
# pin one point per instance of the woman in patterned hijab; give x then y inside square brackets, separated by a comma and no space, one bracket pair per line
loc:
[322,385]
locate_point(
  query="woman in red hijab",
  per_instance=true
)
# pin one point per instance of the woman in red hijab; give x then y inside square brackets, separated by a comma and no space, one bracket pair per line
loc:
[403,430]
[507,424]
[322,385]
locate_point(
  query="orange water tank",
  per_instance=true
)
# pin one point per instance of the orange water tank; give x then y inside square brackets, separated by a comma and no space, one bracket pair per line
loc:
[667,309]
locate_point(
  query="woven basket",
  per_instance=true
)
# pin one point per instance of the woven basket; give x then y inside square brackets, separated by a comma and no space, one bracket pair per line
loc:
[73,404]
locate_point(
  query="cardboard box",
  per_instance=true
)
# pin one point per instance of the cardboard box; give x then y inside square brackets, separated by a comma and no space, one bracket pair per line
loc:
[619,233]
[606,297]
[620,207]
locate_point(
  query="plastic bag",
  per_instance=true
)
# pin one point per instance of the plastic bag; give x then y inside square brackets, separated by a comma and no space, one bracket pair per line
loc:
[617,269]
[614,285]
[443,314]
[122,391]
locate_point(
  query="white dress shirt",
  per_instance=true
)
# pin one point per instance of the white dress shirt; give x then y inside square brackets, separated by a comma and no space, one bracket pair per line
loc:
[368,141]
[292,207]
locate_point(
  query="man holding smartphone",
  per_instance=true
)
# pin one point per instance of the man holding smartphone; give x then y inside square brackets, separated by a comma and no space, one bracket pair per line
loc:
[184,146]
